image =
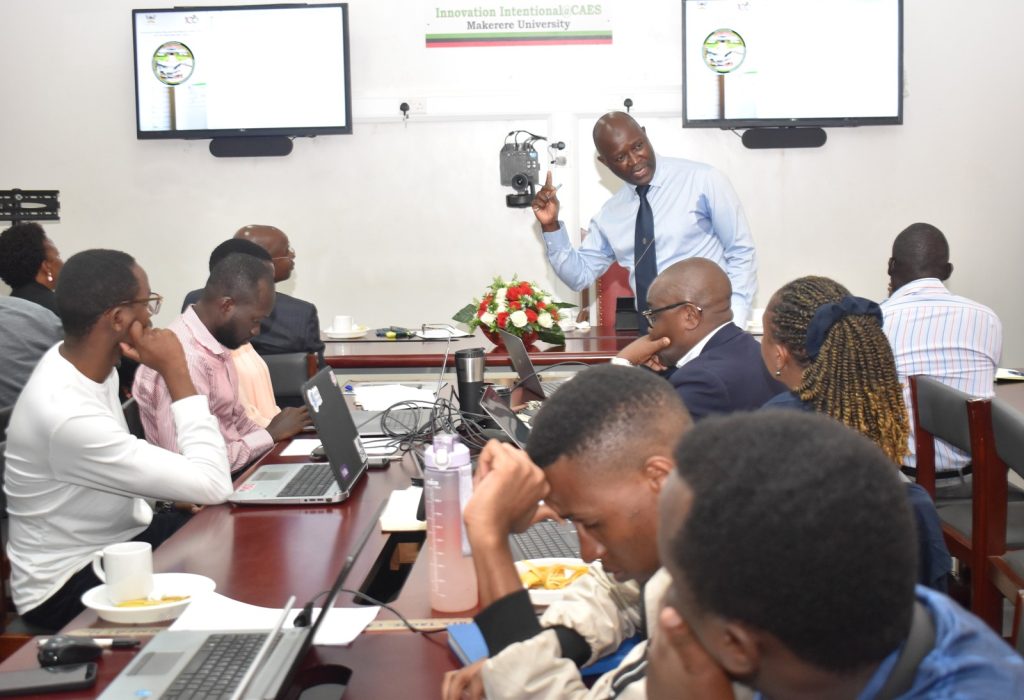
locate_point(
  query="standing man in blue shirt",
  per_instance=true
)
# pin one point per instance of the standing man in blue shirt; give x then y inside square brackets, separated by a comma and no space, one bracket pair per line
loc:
[670,209]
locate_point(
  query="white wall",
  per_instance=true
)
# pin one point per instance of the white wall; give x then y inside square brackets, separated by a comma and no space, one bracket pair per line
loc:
[404,223]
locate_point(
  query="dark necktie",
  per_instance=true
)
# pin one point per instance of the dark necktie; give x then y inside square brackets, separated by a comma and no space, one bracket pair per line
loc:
[645,258]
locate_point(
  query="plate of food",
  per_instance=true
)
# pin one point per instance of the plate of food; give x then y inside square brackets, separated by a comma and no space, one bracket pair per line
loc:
[547,579]
[171,595]
[356,332]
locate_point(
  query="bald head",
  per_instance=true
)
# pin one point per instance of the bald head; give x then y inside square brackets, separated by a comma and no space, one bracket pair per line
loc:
[274,241]
[698,280]
[919,251]
[624,148]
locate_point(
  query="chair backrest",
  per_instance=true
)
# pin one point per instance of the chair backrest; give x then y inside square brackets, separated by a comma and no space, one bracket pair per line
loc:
[288,372]
[1008,435]
[939,411]
[615,298]
[133,419]
[5,418]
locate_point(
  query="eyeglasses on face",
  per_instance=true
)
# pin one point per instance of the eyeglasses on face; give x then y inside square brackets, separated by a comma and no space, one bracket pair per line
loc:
[650,314]
[153,302]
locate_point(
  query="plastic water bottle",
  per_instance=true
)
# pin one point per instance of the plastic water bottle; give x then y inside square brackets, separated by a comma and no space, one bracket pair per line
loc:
[447,484]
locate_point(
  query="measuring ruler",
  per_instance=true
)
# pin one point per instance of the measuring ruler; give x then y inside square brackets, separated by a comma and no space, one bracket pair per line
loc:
[429,624]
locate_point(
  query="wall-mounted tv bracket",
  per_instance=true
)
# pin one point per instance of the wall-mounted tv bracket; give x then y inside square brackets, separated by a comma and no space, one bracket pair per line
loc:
[29,205]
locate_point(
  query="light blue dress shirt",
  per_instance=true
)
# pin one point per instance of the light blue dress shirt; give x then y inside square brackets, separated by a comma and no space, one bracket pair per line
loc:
[697,214]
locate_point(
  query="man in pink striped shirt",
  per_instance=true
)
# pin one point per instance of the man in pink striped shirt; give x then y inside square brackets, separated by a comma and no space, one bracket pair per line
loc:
[238,295]
[938,334]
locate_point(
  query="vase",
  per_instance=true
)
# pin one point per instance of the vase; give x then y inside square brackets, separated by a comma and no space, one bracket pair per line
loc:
[529,337]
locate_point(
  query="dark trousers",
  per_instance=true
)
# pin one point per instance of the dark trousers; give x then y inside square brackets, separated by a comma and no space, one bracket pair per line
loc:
[60,608]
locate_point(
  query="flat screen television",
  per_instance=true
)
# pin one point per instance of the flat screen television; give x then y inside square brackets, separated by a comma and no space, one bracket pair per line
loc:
[754,63]
[252,70]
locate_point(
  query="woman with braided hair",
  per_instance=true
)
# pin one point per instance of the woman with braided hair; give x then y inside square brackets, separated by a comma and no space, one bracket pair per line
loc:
[828,348]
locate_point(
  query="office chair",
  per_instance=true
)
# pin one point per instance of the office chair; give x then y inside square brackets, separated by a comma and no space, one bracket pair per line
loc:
[288,372]
[132,418]
[1005,572]
[973,528]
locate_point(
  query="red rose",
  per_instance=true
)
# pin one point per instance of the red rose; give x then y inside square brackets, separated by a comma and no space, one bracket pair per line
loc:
[541,305]
[531,315]
[525,288]
[512,294]
[502,319]
[515,306]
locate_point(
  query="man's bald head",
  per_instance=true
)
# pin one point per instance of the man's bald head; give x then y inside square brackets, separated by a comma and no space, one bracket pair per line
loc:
[919,251]
[706,288]
[623,146]
[275,242]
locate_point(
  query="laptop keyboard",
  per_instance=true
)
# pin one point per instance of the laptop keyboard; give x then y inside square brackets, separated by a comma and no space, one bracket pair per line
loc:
[217,667]
[311,480]
[548,539]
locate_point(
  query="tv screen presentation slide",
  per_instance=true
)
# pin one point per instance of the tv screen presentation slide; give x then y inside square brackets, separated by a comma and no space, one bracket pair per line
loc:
[781,60]
[229,69]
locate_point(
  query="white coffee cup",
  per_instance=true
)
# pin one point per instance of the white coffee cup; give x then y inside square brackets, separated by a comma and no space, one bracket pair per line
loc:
[127,570]
[342,324]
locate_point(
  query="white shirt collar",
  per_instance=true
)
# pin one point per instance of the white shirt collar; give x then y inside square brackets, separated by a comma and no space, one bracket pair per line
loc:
[697,349]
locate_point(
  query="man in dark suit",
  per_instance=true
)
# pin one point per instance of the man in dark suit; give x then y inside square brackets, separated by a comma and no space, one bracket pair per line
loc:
[293,325]
[715,366]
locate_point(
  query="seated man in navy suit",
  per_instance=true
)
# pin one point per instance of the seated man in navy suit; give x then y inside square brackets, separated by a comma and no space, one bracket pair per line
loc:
[293,325]
[715,366]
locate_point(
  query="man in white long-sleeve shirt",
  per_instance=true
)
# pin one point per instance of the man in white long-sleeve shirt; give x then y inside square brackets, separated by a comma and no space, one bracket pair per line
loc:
[76,479]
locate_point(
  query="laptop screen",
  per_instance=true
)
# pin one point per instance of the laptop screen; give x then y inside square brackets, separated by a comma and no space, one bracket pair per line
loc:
[508,421]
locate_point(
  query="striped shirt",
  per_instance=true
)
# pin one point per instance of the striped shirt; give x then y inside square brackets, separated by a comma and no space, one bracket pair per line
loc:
[955,340]
[213,373]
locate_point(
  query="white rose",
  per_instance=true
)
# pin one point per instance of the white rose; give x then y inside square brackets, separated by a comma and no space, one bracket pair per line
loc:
[545,320]
[502,305]
[518,318]
[501,296]
[547,300]
[487,318]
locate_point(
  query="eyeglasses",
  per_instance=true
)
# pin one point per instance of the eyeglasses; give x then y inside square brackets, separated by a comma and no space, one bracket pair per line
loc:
[153,302]
[649,314]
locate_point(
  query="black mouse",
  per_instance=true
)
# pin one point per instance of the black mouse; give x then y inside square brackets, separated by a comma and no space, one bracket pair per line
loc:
[319,454]
[63,649]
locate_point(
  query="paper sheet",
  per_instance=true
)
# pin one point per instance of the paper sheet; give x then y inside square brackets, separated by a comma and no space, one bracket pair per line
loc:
[380,397]
[441,332]
[400,513]
[213,611]
[300,447]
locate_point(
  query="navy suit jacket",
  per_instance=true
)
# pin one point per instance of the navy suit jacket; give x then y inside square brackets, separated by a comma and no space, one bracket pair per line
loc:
[292,326]
[728,375]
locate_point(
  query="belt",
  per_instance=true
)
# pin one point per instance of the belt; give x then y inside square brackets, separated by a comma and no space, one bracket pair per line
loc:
[940,475]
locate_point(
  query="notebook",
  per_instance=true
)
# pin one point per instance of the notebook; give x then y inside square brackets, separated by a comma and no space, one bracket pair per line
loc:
[331,482]
[180,664]
[523,365]
[506,419]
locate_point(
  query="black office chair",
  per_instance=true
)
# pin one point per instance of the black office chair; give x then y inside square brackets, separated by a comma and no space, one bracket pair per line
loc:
[288,372]
[133,419]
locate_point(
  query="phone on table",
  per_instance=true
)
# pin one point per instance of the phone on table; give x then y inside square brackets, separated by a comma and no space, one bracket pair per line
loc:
[43,680]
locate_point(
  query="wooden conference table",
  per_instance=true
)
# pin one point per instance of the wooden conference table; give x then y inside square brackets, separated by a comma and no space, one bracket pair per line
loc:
[262,555]
[598,345]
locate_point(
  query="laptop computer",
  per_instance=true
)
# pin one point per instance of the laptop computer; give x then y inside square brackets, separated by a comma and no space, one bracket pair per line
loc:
[257,664]
[511,424]
[529,380]
[330,482]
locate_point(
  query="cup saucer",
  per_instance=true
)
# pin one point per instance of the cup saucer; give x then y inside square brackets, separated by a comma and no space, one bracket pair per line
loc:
[356,331]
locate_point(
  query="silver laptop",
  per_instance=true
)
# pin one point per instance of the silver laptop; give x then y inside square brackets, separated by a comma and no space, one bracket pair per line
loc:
[330,482]
[510,424]
[529,380]
[229,665]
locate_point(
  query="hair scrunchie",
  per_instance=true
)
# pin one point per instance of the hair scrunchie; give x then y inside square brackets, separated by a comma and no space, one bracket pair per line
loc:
[827,315]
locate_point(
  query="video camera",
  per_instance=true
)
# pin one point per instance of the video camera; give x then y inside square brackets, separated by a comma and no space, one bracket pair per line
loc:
[520,170]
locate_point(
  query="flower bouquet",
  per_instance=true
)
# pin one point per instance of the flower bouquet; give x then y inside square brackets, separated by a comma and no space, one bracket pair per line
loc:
[520,308]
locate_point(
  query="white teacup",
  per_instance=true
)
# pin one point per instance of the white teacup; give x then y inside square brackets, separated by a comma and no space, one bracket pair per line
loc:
[342,324]
[127,570]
